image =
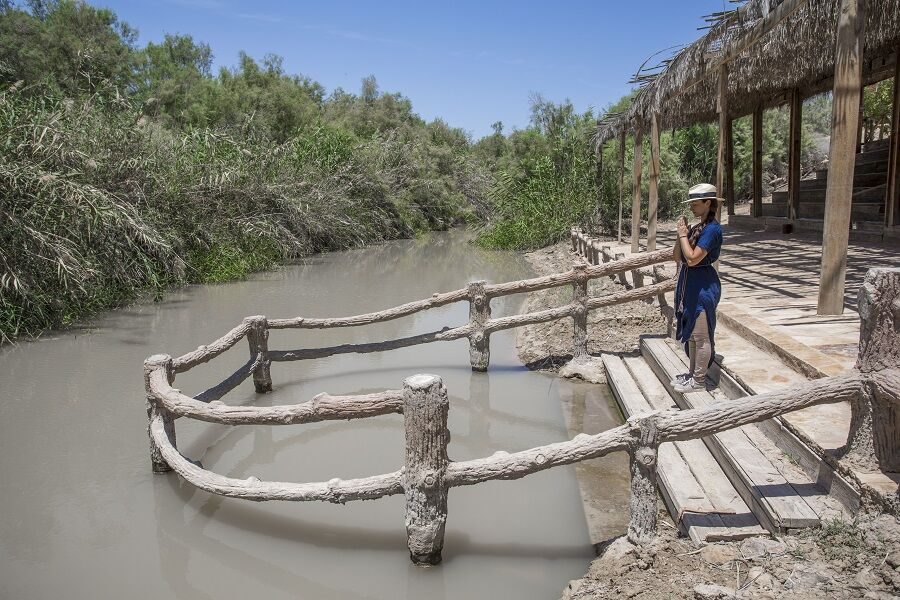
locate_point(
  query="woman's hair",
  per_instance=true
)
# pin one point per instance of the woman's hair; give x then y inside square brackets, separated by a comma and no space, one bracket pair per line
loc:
[696,230]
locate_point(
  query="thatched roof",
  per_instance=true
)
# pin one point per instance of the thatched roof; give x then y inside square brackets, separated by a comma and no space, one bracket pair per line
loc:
[769,48]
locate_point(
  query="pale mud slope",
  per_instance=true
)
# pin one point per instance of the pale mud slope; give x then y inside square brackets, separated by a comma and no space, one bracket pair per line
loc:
[610,329]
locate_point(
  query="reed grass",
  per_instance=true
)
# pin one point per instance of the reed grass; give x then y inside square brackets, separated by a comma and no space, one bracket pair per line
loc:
[100,205]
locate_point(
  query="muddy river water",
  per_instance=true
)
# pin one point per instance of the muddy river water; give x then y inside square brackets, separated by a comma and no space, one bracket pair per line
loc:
[82,516]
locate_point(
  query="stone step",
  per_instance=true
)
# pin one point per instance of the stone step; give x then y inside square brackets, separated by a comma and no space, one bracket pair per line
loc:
[774,500]
[876,145]
[862,212]
[871,195]
[872,156]
[696,491]
[860,180]
[860,168]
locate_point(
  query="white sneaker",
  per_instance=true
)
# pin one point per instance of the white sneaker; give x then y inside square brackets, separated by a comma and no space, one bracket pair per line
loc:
[691,385]
[681,379]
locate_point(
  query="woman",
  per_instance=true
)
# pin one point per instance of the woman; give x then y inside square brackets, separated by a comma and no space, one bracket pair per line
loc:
[698,291]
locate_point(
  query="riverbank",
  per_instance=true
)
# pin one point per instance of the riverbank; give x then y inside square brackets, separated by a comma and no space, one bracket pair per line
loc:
[614,329]
[841,560]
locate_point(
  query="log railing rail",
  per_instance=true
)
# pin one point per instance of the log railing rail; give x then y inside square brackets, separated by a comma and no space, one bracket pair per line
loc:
[873,390]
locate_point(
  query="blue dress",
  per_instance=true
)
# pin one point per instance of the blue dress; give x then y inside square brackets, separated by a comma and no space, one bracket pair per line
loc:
[699,289]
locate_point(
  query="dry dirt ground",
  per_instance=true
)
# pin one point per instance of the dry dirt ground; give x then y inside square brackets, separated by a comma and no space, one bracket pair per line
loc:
[841,560]
[846,560]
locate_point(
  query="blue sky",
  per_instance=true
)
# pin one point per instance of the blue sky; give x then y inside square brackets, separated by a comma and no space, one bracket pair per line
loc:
[471,63]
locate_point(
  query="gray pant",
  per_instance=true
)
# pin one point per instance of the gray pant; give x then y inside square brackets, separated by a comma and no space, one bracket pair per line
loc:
[700,348]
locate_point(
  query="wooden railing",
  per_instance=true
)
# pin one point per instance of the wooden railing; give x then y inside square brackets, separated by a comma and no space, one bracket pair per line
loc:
[428,473]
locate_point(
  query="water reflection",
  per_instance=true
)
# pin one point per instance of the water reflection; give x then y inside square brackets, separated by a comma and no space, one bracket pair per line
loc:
[83,516]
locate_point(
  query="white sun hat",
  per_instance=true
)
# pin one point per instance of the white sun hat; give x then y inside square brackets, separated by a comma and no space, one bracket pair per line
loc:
[702,191]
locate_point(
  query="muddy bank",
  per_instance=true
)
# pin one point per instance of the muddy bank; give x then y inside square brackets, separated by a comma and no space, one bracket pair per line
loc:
[840,560]
[610,329]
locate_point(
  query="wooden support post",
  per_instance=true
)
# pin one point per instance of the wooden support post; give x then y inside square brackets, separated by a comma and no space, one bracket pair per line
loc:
[875,420]
[580,316]
[425,407]
[595,250]
[653,204]
[729,166]
[722,107]
[621,180]
[258,339]
[574,234]
[479,315]
[794,155]
[842,158]
[892,197]
[154,408]
[757,160]
[861,124]
[636,190]
[599,177]
[643,503]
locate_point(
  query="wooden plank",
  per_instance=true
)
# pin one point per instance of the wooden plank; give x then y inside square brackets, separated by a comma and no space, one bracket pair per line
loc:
[757,161]
[796,120]
[729,165]
[774,500]
[621,180]
[841,155]
[636,191]
[653,203]
[706,470]
[722,107]
[684,496]
[739,443]
[804,456]
[599,177]
[685,486]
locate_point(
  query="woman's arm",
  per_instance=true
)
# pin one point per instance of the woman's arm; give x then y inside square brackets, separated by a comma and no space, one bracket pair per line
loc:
[683,247]
[681,225]
[693,256]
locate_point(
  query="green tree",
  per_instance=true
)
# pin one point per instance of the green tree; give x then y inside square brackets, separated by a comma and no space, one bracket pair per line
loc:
[77,46]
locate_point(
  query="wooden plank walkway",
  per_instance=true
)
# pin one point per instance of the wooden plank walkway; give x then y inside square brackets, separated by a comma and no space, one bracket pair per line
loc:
[773,499]
[770,293]
[695,489]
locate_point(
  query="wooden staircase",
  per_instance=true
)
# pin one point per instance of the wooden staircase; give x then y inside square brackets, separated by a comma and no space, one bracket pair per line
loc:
[869,188]
[730,485]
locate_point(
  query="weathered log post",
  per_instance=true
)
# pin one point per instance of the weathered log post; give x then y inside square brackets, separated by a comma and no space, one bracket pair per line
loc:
[479,315]
[580,312]
[425,407]
[574,233]
[258,338]
[875,420]
[595,251]
[622,279]
[154,407]
[643,503]
[604,249]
